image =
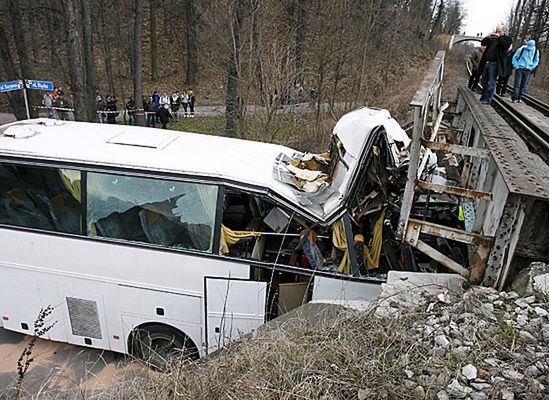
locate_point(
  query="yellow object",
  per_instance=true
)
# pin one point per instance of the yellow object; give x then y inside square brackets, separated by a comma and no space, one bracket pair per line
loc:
[71,180]
[461,216]
[372,255]
[230,237]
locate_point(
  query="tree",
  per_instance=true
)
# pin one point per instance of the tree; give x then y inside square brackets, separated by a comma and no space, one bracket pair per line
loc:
[152,33]
[191,40]
[15,98]
[138,60]
[233,76]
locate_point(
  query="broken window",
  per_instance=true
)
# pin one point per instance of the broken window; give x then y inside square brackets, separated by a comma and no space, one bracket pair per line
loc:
[166,213]
[40,198]
[254,227]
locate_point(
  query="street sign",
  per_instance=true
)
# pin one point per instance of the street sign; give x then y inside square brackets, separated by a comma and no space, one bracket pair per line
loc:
[39,85]
[11,85]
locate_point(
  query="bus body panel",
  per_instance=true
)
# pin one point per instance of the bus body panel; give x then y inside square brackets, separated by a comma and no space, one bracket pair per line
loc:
[332,289]
[234,307]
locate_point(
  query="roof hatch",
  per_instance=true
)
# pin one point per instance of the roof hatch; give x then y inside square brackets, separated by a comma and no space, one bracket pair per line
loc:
[151,140]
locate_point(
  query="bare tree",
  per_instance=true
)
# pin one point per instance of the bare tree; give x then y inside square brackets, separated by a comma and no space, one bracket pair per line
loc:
[138,60]
[233,78]
[191,18]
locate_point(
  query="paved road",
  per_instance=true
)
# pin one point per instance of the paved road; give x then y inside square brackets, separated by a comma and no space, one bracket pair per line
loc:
[60,366]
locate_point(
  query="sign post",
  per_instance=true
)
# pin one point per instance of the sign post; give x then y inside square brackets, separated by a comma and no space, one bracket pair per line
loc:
[25,84]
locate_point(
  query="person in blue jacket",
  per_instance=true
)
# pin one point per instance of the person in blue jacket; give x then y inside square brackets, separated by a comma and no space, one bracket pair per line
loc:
[526,58]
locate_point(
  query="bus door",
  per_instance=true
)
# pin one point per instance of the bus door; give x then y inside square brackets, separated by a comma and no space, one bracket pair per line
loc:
[233,308]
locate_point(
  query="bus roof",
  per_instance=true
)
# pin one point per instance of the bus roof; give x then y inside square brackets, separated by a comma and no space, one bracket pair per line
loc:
[215,158]
[164,151]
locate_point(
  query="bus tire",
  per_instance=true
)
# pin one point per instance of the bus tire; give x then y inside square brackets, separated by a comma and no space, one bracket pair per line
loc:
[158,345]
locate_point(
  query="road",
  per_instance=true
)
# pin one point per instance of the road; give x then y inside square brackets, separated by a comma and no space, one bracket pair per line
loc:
[61,366]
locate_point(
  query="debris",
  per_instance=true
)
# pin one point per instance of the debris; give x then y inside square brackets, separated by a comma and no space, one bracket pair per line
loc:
[524,281]
[457,390]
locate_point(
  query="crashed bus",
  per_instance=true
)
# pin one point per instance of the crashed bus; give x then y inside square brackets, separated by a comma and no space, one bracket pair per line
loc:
[144,241]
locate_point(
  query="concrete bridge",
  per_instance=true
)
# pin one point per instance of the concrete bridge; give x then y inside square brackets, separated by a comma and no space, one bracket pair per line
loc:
[462,38]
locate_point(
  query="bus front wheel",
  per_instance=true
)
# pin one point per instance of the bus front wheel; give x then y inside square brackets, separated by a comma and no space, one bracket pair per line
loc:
[160,345]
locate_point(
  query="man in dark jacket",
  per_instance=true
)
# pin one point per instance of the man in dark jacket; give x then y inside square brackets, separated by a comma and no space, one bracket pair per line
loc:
[164,115]
[503,79]
[495,59]
[476,71]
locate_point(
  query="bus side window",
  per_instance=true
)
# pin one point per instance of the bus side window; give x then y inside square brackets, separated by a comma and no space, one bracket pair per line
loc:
[160,212]
[40,198]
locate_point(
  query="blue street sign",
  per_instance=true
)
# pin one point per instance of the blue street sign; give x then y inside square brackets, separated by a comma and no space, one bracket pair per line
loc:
[39,85]
[11,85]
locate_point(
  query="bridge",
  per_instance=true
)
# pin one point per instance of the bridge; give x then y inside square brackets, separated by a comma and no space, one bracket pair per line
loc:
[501,155]
[463,38]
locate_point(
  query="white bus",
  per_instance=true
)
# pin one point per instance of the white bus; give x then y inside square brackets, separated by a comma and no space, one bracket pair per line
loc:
[183,240]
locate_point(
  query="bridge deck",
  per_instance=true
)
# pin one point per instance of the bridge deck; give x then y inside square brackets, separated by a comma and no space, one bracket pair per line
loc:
[524,173]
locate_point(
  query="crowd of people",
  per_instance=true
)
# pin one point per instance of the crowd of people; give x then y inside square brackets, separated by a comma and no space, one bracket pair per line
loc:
[157,108]
[494,62]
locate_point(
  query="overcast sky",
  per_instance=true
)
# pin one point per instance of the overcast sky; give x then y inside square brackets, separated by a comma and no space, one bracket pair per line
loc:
[484,15]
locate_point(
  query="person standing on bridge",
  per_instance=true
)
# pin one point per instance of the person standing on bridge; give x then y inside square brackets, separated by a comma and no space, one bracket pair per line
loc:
[476,71]
[503,78]
[494,58]
[526,58]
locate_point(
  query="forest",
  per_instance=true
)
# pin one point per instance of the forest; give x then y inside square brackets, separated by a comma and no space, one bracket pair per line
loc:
[238,53]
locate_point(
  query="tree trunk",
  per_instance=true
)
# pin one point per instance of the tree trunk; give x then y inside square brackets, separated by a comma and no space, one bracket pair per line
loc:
[539,21]
[300,36]
[89,62]
[152,28]
[138,59]
[231,99]
[17,26]
[106,47]
[130,36]
[191,37]
[17,104]
[77,62]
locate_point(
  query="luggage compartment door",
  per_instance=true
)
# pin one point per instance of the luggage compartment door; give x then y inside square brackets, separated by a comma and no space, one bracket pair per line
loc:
[233,308]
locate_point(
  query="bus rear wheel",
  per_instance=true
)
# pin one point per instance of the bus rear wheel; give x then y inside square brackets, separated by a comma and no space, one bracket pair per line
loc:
[160,345]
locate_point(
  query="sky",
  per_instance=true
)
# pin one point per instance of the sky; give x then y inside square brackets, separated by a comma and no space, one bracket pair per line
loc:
[484,15]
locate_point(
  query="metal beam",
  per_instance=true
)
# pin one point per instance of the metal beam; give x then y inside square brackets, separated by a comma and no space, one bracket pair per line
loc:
[499,261]
[446,232]
[473,194]
[456,148]
[441,258]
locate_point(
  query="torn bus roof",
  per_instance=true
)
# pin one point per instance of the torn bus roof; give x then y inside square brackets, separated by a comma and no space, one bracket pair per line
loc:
[352,141]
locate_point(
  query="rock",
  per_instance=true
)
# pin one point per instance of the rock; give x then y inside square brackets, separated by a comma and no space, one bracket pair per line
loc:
[408,384]
[541,312]
[541,284]
[442,341]
[364,394]
[512,295]
[480,386]
[488,310]
[507,394]
[522,303]
[442,395]
[469,372]
[478,396]
[527,337]
[457,390]
[409,373]
[522,320]
[524,281]
[462,351]
[482,373]
[419,392]
[545,332]
[512,375]
[492,362]
[532,371]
